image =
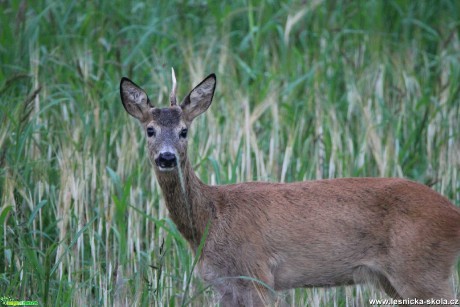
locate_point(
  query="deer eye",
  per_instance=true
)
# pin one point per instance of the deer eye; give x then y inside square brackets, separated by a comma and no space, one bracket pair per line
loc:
[183,133]
[150,131]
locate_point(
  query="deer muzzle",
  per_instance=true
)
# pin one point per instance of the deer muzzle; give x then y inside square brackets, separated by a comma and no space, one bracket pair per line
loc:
[166,161]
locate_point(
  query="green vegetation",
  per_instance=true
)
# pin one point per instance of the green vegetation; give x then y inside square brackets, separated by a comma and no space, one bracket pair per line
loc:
[306,89]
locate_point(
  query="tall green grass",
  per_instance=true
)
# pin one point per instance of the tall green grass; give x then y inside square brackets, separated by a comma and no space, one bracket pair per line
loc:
[306,90]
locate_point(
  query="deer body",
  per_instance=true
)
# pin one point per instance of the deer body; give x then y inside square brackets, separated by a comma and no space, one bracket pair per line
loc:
[400,235]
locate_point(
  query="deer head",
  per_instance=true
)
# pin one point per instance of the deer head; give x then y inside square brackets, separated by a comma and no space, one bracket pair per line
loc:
[167,128]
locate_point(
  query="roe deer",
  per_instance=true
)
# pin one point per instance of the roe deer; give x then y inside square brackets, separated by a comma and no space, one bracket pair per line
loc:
[401,235]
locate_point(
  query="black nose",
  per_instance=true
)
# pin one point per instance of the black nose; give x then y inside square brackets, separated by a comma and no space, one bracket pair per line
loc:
[166,160]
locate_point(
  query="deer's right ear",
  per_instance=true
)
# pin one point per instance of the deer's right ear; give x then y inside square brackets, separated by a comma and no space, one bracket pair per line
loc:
[199,99]
[134,99]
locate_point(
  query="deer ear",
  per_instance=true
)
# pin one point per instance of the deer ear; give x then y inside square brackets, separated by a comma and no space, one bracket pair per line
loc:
[199,99]
[134,99]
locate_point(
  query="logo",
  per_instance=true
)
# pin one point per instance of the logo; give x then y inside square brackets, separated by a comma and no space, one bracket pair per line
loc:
[9,301]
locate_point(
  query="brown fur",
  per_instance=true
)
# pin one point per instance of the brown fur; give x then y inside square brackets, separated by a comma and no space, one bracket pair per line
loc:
[402,236]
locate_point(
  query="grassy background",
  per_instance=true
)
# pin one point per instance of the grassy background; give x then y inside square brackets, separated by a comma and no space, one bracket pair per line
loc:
[306,89]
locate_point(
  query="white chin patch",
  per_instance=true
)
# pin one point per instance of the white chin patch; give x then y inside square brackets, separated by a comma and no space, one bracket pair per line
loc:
[166,169]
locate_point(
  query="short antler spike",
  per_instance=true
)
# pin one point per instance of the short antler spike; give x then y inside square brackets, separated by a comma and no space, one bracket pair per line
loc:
[172,97]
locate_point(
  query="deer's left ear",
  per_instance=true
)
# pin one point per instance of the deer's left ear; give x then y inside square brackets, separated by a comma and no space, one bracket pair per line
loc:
[134,99]
[199,99]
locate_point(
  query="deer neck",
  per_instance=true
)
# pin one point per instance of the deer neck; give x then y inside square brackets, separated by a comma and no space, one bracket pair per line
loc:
[188,200]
